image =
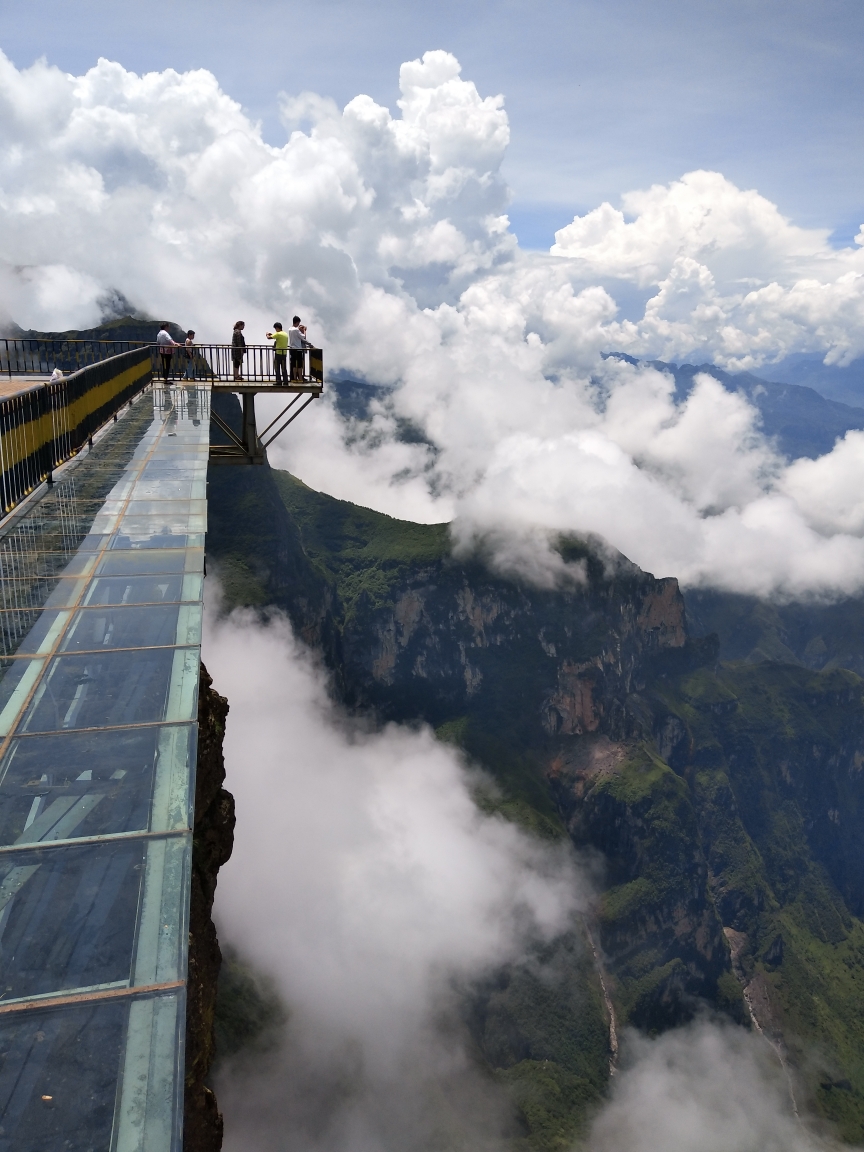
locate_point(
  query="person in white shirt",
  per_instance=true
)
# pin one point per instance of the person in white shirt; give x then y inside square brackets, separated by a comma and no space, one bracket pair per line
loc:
[296,343]
[190,354]
[166,344]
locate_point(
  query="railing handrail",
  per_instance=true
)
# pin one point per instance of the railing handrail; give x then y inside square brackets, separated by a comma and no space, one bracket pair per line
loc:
[29,356]
[137,343]
[42,427]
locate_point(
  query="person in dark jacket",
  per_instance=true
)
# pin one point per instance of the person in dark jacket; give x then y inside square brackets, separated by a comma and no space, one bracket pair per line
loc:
[238,348]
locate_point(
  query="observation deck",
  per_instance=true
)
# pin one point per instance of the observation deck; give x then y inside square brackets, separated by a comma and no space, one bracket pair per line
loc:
[211,364]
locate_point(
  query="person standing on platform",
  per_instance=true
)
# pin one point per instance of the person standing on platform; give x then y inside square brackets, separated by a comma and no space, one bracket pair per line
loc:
[297,342]
[190,355]
[166,345]
[280,352]
[238,348]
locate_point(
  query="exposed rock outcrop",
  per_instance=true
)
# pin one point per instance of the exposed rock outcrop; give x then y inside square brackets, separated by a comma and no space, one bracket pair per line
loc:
[212,844]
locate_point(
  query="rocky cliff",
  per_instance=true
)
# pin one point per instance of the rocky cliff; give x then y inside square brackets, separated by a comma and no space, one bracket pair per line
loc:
[213,839]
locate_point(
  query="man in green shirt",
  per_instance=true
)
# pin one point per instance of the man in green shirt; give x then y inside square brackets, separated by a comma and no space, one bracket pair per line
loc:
[280,352]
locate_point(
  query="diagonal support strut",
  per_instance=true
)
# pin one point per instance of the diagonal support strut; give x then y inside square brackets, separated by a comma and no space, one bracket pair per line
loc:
[266,443]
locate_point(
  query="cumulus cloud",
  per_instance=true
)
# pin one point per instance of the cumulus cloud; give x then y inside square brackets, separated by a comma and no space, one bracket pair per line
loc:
[388,233]
[738,282]
[366,882]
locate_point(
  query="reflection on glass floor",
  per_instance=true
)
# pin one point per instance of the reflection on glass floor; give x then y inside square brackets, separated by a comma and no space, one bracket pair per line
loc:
[100,628]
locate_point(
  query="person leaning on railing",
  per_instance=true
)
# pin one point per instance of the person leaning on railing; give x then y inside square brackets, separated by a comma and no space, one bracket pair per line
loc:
[166,345]
[238,348]
[280,352]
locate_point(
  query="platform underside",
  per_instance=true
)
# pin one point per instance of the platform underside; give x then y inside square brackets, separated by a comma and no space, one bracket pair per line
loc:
[249,447]
[262,386]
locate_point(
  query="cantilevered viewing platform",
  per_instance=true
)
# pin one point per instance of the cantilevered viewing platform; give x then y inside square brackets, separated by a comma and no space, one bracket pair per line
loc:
[257,376]
[210,364]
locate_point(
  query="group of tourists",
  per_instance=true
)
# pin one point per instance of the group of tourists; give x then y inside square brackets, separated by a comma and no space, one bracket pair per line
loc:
[288,351]
[287,346]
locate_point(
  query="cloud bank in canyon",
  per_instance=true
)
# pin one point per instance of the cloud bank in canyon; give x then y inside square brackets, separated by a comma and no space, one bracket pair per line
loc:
[373,892]
[389,234]
[366,882]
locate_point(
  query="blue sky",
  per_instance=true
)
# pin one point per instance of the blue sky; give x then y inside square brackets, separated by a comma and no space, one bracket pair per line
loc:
[603,95]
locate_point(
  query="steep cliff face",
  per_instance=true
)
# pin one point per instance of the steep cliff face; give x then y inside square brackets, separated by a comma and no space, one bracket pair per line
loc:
[658,925]
[213,839]
[425,634]
[725,799]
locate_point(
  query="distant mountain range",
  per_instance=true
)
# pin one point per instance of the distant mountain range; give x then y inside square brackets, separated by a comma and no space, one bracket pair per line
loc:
[844,384]
[119,328]
[800,419]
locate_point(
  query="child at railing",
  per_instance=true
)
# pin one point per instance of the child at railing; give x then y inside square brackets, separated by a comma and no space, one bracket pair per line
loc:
[190,355]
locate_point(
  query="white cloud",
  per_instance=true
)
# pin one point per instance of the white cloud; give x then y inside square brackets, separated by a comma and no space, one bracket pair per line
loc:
[388,234]
[738,282]
[365,881]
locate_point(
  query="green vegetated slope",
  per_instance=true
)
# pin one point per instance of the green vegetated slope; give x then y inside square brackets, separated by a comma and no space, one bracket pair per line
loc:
[725,798]
[366,554]
[772,757]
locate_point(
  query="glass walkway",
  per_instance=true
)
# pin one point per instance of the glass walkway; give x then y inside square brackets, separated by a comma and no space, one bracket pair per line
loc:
[100,630]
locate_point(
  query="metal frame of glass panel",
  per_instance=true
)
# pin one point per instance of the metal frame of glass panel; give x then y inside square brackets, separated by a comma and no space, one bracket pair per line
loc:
[101,587]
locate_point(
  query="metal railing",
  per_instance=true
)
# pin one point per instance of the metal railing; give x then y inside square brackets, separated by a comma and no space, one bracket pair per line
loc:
[46,424]
[212,362]
[33,357]
[216,363]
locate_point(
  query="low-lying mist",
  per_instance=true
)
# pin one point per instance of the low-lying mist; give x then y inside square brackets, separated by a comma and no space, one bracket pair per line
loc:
[368,885]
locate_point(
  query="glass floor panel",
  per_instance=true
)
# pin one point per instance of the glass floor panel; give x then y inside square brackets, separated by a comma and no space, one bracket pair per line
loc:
[111,689]
[166,589]
[190,540]
[72,1077]
[103,627]
[132,562]
[126,780]
[101,584]
[59,1077]
[67,917]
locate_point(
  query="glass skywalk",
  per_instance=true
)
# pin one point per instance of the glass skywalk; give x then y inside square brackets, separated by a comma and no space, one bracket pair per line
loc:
[100,629]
